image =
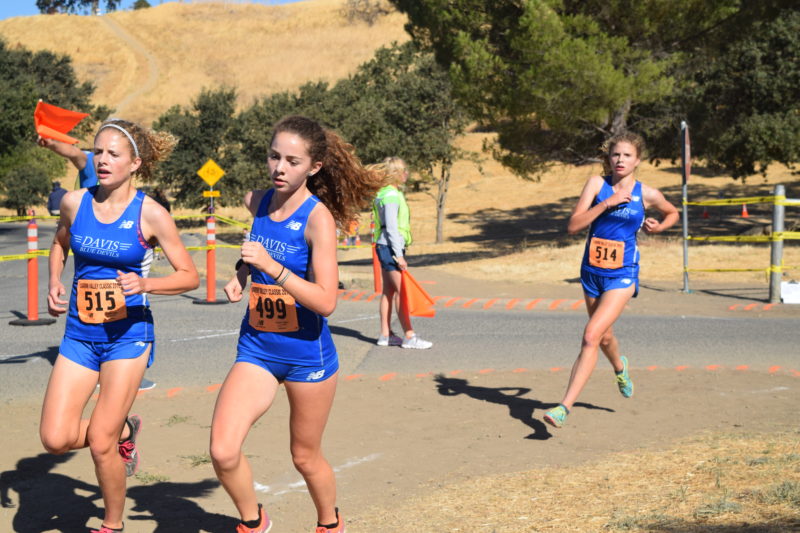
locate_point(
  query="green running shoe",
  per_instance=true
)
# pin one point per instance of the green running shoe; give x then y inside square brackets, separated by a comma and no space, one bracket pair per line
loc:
[556,416]
[624,380]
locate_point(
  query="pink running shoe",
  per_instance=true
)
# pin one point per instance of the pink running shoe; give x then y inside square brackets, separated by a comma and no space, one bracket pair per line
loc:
[127,448]
[106,529]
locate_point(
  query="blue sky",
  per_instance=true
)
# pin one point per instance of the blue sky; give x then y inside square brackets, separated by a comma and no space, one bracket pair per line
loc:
[21,8]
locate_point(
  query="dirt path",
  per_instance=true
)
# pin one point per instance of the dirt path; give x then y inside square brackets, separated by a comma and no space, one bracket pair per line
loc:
[151,66]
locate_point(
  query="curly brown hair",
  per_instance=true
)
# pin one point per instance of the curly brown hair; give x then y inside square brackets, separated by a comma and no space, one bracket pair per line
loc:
[153,146]
[343,184]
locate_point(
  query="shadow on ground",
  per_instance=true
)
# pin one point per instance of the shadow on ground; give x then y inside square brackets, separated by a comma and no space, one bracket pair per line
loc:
[519,408]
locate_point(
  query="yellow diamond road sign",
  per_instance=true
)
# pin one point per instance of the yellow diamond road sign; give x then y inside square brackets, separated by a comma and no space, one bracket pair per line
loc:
[210,172]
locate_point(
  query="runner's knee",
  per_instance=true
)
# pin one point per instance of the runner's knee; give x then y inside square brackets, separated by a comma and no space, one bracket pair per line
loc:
[306,460]
[55,442]
[225,456]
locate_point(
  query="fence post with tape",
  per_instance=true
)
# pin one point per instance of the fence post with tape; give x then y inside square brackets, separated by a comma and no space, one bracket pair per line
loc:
[33,281]
[776,246]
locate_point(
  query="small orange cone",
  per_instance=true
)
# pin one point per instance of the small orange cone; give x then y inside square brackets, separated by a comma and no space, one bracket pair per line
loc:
[745,214]
[414,300]
[358,240]
[54,122]
[705,212]
[376,270]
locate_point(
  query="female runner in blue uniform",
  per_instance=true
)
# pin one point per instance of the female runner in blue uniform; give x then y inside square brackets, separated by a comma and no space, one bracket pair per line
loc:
[317,185]
[111,229]
[614,206]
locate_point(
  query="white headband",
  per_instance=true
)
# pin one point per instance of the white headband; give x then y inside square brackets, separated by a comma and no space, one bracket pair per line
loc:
[128,135]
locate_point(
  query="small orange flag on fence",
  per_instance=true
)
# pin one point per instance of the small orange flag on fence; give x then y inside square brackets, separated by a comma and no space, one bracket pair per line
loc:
[54,122]
[414,300]
[377,277]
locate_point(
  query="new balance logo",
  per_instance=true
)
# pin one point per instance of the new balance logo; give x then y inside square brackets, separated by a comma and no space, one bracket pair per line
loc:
[294,225]
[126,224]
[315,375]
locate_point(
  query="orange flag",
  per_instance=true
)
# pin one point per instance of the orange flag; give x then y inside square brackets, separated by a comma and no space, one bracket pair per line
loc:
[54,122]
[414,300]
[377,277]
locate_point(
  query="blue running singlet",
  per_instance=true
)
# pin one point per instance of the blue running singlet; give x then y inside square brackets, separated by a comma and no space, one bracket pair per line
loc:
[98,311]
[611,248]
[275,327]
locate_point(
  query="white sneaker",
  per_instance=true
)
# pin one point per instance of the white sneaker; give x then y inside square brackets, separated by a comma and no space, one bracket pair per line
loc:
[391,340]
[416,343]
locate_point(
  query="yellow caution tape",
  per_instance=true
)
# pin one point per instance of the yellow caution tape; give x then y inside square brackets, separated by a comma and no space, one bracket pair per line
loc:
[777,200]
[725,270]
[232,222]
[732,238]
[17,257]
[737,201]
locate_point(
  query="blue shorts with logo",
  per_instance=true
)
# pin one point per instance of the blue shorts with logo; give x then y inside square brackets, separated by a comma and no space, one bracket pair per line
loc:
[292,372]
[595,284]
[93,354]
[384,252]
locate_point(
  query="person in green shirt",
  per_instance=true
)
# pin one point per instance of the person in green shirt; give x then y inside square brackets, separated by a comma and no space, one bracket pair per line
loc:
[392,234]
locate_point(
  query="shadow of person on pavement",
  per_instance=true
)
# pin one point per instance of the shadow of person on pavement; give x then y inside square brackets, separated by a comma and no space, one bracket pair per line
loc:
[169,505]
[521,409]
[47,501]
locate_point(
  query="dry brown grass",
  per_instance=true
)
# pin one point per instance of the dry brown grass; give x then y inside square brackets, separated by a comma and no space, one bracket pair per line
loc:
[257,48]
[713,483]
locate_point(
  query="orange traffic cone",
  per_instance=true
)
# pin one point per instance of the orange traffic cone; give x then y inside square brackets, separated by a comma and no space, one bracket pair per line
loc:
[413,298]
[745,214]
[377,277]
[358,240]
[705,212]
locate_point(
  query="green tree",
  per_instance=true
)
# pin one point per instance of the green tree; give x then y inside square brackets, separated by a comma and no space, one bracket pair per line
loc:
[29,77]
[25,186]
[204,133]
[50,7]
[555,77]
[400,104]
[141,4]
[745,106]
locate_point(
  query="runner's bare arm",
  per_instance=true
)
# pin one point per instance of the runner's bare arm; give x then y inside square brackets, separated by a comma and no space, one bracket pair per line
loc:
[59,251]
[584,214]
[157,223]
[68,151]
[669,213]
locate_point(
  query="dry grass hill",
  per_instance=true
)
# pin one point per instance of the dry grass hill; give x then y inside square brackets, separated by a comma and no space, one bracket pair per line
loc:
[142,62]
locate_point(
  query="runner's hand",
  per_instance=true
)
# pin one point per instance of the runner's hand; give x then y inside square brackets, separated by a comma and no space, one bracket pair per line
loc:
[234,290]
[619,197]
[255,254]
[401,263]
[55,305]
[131,283]
[652,225]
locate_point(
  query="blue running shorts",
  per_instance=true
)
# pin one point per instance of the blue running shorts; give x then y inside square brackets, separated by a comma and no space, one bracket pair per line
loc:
[93,354]
[292,372]
[594,284]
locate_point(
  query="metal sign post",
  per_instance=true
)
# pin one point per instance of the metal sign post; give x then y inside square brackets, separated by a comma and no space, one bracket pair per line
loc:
[211,172]
[686,160]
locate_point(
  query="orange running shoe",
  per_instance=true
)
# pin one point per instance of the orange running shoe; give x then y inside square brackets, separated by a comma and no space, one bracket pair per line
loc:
[263,527]
[339,528]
